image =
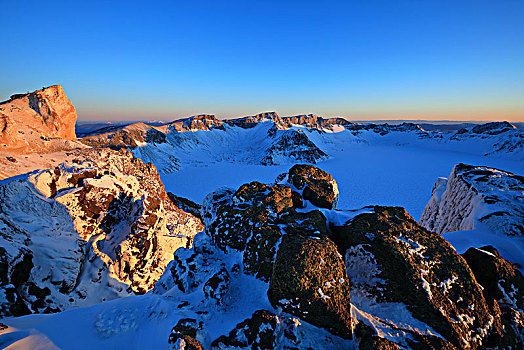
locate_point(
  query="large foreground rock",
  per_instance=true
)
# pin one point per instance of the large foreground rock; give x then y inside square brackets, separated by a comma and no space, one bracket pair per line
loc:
[28,120]
[502,284]
[309,280]
[394,263]
[253,219]
[93,229]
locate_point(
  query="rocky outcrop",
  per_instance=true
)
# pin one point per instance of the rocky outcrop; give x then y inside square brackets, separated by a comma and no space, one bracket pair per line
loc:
[474,196]
[257,231]
[29,120]
[257,332]
[502,284]
[316,185]
[253,219]
[314,122]
[271,270]
[202,122]
[183,335]
[292,144]
[266,330]
[494,128]
[100,222]
[252,121]
[399,284]
[393,262]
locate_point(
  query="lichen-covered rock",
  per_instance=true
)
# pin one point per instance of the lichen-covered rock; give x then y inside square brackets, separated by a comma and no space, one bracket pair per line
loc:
[317,186]
[393,262]
[309,280]
[180,341]
[105,222]
[230,217]
[183,335]
[500,279]
[501,282]
[261,250]
[253,219]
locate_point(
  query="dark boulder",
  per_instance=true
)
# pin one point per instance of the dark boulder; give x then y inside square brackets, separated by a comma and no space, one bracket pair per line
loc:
[317,186]
[503,284]
[420,269]
[501,279]
[309,281]
[234,216]
[215,288]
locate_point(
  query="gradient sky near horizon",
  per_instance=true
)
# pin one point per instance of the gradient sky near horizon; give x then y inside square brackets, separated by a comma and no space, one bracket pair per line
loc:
[453,60]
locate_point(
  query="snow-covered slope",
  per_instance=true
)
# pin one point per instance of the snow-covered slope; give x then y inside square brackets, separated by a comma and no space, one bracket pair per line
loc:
[98,227]
[261,144]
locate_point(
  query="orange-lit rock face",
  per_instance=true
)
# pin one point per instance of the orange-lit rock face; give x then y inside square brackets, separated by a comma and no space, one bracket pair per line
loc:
[28,121]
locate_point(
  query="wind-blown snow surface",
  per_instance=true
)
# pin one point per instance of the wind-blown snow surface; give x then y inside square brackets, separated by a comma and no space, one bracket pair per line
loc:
[396,169]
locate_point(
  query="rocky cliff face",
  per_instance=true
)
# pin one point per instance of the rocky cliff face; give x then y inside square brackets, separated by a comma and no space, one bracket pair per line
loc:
[101,222]
[473,196]
[203,122]
[28,120]
[314,122]
[252,121]
[129,136]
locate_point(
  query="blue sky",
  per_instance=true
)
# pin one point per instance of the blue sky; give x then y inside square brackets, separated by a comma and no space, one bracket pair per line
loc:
[461,60]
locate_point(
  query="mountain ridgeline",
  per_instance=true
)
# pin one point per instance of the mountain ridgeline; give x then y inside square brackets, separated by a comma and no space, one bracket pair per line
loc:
[269,139]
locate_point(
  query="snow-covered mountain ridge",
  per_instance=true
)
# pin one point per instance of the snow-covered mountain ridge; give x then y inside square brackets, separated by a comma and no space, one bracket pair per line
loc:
[268,139]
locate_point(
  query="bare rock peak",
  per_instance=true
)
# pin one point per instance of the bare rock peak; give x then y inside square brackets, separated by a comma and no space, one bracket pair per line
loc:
[28,120]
